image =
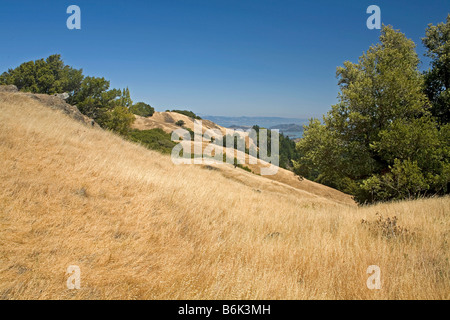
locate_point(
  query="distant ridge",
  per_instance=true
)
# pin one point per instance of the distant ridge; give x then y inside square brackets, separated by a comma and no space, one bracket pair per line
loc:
[291,127]
[288,127]
[265,122]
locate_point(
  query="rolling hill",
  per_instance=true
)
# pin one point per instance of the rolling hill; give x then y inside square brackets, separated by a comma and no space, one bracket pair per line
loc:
[140,227]
[167,120]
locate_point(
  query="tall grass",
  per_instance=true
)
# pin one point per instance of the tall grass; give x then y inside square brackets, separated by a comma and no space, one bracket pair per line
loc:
[140,227]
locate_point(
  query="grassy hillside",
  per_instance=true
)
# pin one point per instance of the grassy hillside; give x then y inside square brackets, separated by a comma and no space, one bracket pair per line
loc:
[141,227]
[166,121]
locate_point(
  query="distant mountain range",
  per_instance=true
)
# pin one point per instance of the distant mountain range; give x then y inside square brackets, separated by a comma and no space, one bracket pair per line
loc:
[291,127]
[288,127]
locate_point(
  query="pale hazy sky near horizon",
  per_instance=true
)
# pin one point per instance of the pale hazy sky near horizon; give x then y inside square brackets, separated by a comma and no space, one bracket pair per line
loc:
[216,57]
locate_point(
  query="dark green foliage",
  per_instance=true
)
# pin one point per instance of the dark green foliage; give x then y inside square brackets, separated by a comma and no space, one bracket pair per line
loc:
[124,99]
[47,76]
[119,119]
[107,107]
[142,109]
[236,141]
[287,149]
[437,79]
[192,133]
[288,152]
[244,168]
[155,139]
[380,141]
[186,113]
[92,96]
[180,123]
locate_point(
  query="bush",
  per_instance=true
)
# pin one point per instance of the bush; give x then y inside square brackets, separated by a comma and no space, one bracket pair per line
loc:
[93,98]
[119,120]
[192,133]
[155,139]
[186,113]
[142,109]
[47,76]
[91,95]
[180,123]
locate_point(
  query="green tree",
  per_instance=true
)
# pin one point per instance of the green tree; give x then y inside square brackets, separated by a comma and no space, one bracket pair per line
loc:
[437,79]
[97,101]
[320,157]
[186,113]
[288,152]
[417,152]
[380,130]
[119,119]
[93,98]
[47,76]
[125,99]
[142,109]
[155,139]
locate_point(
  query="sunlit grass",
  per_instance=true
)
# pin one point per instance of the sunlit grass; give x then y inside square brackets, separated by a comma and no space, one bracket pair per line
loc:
[141,227]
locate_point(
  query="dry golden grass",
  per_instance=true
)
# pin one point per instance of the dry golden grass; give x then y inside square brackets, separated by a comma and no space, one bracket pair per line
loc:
[140,227]
[166,121]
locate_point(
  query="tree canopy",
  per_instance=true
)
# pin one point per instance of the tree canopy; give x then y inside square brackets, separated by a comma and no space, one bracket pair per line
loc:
[48,76]
[187,113]
[142,109]
[437,78]
[110,108]
[380,141]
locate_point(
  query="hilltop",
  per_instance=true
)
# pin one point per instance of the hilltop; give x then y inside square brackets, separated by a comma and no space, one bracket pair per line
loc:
[140,227]
[166,121]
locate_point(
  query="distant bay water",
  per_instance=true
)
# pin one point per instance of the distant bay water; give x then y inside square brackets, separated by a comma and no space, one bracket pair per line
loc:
[291,127]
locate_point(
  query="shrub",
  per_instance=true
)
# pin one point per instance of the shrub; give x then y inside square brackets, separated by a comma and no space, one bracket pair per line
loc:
[119,120]
[91,95]
[187,113]
[244,168]
[155,139]
[192,133]
[386,227]
[180,123]
[47,76]
[142,109]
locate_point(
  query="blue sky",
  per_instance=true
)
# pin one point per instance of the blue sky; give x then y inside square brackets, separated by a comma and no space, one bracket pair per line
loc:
[217,57]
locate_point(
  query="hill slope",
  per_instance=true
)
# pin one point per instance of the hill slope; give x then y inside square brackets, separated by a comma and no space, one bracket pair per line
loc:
[140,227]
[166,121]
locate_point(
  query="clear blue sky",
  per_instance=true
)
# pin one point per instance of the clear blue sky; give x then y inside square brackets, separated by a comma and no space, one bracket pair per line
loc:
[218,57]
